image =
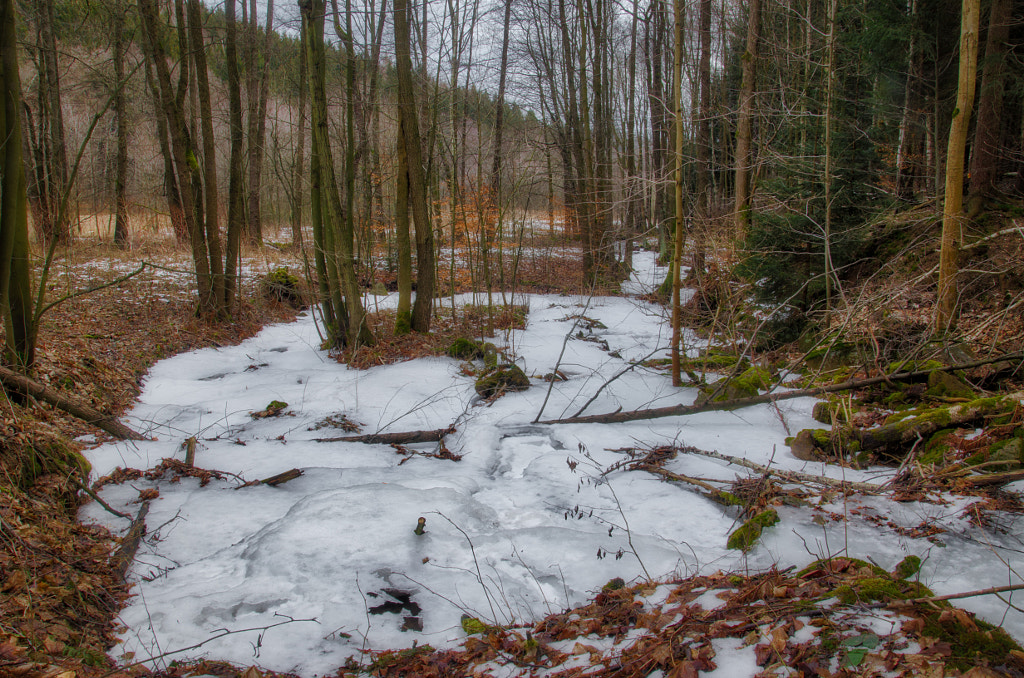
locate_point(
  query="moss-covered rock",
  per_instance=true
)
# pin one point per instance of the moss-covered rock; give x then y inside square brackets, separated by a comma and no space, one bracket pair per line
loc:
[1009,453]
[744,538]
[829,412]
[282,285]
[490,355]
[870,589]
[502,379]
[907,567]
[465,349]
[806,445]
[946,385]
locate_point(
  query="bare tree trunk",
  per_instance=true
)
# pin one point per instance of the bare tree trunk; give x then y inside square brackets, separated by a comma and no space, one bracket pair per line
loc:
[703,138]
[423,306]
[744,156]
[904,175]
[259,92]
[952,213]
[212,206]
[677,103]
[235,206]
[15,270]
[300,165]
[985,153]
[121,221]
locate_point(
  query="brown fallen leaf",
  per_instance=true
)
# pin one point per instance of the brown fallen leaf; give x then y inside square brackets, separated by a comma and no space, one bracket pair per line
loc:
[685,669]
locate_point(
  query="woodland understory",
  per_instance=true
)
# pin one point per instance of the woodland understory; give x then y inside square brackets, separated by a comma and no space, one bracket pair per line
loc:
[62,585]
[839,184]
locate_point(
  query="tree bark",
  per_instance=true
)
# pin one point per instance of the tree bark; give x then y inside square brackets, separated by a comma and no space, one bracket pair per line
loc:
[237,141]
[423,306]
[745,119]
[121,220]
[680,231]
[15,269]
[952,212]
[986,150]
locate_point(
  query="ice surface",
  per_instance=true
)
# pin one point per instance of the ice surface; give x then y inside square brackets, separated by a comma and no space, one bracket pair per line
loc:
[512,533]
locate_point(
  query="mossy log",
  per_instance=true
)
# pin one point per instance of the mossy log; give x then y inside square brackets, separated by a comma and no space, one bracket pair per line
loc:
[19,383]
[906,428]
[683,410]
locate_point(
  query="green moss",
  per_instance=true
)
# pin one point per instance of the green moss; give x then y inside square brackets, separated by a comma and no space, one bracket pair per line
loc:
[907,567]
[403,322]
[472,625]
[937,447]
[880,588]
[490,355]
[913,366]
[282,285]
[391,657]
[614,585]
[746,385]
[465,349]
[744,538]
[972,644]
[729,499]
[945,385]
[509,378]
[1009,452]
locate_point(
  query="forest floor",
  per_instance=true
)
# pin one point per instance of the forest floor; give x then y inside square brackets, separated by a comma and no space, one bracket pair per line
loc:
[839,616]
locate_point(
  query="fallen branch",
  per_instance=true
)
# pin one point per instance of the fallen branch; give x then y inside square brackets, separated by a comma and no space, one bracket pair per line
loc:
[952,596]
[19,383]
[282,478]
[399,438]
[790,476]
[710,491]
[770,397]
[110,509]
[125,554]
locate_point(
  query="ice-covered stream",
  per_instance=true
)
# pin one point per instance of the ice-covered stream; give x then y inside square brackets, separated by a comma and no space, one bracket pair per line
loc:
[523,525]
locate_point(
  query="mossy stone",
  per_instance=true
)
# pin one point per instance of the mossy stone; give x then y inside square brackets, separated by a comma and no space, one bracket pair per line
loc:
[744,538]
[507,378]
[880,588]
[490,355]
[465,349]
[946,385]
[805,447]
[828,412]
[907,567]
[1010,452]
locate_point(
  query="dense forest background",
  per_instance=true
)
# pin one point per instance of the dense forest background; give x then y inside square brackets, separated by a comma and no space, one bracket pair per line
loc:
[795,145]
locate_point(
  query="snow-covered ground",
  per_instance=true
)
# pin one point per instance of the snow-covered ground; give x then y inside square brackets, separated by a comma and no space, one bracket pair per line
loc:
[525,524]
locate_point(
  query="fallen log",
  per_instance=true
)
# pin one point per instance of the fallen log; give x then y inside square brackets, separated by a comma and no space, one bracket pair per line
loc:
[770,397]
[399,438]
[125,554]
[19,383]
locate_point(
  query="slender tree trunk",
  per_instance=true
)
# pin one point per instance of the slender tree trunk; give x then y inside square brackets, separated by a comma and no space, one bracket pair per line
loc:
[703,138]
[677,103]
[212,206]
[300,162]
[15,269]
[952,213]
[121,221]
[403,320]
[744,157]
[904,167]
[259,80]
[986,151]
[186,164]
[423,306]
[830,84]
[237,142]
